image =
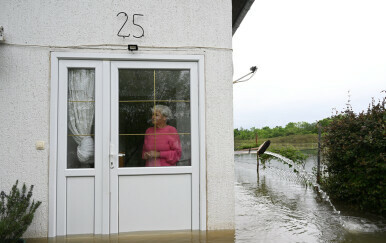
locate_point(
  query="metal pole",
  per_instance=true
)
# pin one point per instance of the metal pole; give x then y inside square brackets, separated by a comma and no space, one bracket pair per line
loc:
[318,168]
[257,162]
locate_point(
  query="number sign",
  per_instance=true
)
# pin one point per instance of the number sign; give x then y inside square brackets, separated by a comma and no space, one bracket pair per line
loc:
[127,17]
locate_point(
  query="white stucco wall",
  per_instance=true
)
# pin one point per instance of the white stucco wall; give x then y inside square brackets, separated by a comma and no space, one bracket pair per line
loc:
[33,29]
[24,119]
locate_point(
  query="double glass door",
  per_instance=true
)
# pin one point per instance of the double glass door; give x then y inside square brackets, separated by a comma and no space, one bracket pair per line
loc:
[128,155]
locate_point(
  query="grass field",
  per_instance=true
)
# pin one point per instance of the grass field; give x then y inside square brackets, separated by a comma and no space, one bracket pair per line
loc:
[300,142]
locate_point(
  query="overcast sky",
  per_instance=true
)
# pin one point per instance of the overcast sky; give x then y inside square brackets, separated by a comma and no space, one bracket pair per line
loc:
[309,54]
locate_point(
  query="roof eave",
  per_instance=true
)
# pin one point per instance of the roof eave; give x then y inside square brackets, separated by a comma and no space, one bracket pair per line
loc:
[240,16]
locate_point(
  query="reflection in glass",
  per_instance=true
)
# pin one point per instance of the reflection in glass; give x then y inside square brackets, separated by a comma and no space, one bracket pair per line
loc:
[134,118]
[130,149]
[81,112]
[148,136]
[136,85]
[172,85]
[185,159]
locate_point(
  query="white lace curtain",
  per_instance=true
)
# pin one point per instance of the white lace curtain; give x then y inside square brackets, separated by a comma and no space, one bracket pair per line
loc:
[81,90]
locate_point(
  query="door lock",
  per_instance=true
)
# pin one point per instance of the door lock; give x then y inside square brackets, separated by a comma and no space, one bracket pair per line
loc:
[113,156]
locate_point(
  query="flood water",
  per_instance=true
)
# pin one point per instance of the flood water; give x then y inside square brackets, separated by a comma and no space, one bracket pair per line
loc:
[275,207]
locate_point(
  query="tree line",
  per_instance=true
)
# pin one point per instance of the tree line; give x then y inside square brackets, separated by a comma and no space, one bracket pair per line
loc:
[292,128]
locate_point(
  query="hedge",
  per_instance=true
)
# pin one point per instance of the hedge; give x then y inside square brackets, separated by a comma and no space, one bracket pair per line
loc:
[354,148]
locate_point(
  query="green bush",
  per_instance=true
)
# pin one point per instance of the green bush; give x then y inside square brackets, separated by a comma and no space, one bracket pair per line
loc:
[354,156]
[16,213]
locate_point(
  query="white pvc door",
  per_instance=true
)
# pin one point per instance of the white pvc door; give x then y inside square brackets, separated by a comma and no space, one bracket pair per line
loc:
[79,159]
[105,184]
[157,193]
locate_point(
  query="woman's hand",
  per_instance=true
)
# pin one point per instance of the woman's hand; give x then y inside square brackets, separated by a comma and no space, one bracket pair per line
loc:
[151,154]
[146,156]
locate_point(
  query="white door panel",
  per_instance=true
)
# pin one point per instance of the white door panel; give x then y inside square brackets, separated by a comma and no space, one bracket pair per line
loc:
[155,202]
[80,205]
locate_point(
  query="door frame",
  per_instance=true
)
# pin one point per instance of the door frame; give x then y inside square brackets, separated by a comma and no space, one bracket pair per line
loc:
[54,102]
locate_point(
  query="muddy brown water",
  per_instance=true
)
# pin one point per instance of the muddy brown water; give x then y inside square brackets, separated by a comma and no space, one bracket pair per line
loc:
[146,237]
[274,207]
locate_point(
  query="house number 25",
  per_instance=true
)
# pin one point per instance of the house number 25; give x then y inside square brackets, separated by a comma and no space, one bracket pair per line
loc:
[127,17]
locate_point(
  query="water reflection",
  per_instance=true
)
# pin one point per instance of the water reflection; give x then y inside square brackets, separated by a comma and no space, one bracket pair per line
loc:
[277,207]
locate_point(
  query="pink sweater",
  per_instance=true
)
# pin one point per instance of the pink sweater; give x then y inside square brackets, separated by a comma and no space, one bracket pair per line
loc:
[167,142]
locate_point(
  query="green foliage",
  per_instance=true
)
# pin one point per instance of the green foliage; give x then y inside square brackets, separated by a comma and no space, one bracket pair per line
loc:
[16,213]
[291,128]
[325,122]
[354,155]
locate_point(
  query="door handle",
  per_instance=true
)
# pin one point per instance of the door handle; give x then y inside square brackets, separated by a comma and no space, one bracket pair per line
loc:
[114,156]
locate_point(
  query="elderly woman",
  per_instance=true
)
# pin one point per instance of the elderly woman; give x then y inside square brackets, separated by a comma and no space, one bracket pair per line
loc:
[162,145]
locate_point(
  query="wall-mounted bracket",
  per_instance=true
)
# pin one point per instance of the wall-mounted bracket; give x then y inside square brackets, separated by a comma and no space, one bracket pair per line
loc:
[1,33]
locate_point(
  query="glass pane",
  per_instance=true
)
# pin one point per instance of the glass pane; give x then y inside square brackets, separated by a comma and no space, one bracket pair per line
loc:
[136,85]
[186,152]
[81,118]
[154,118]
[180,118]
[130,151]
[172,85]
[134,118]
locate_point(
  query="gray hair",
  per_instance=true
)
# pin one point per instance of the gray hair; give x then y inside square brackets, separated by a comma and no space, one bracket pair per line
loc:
[164,110]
